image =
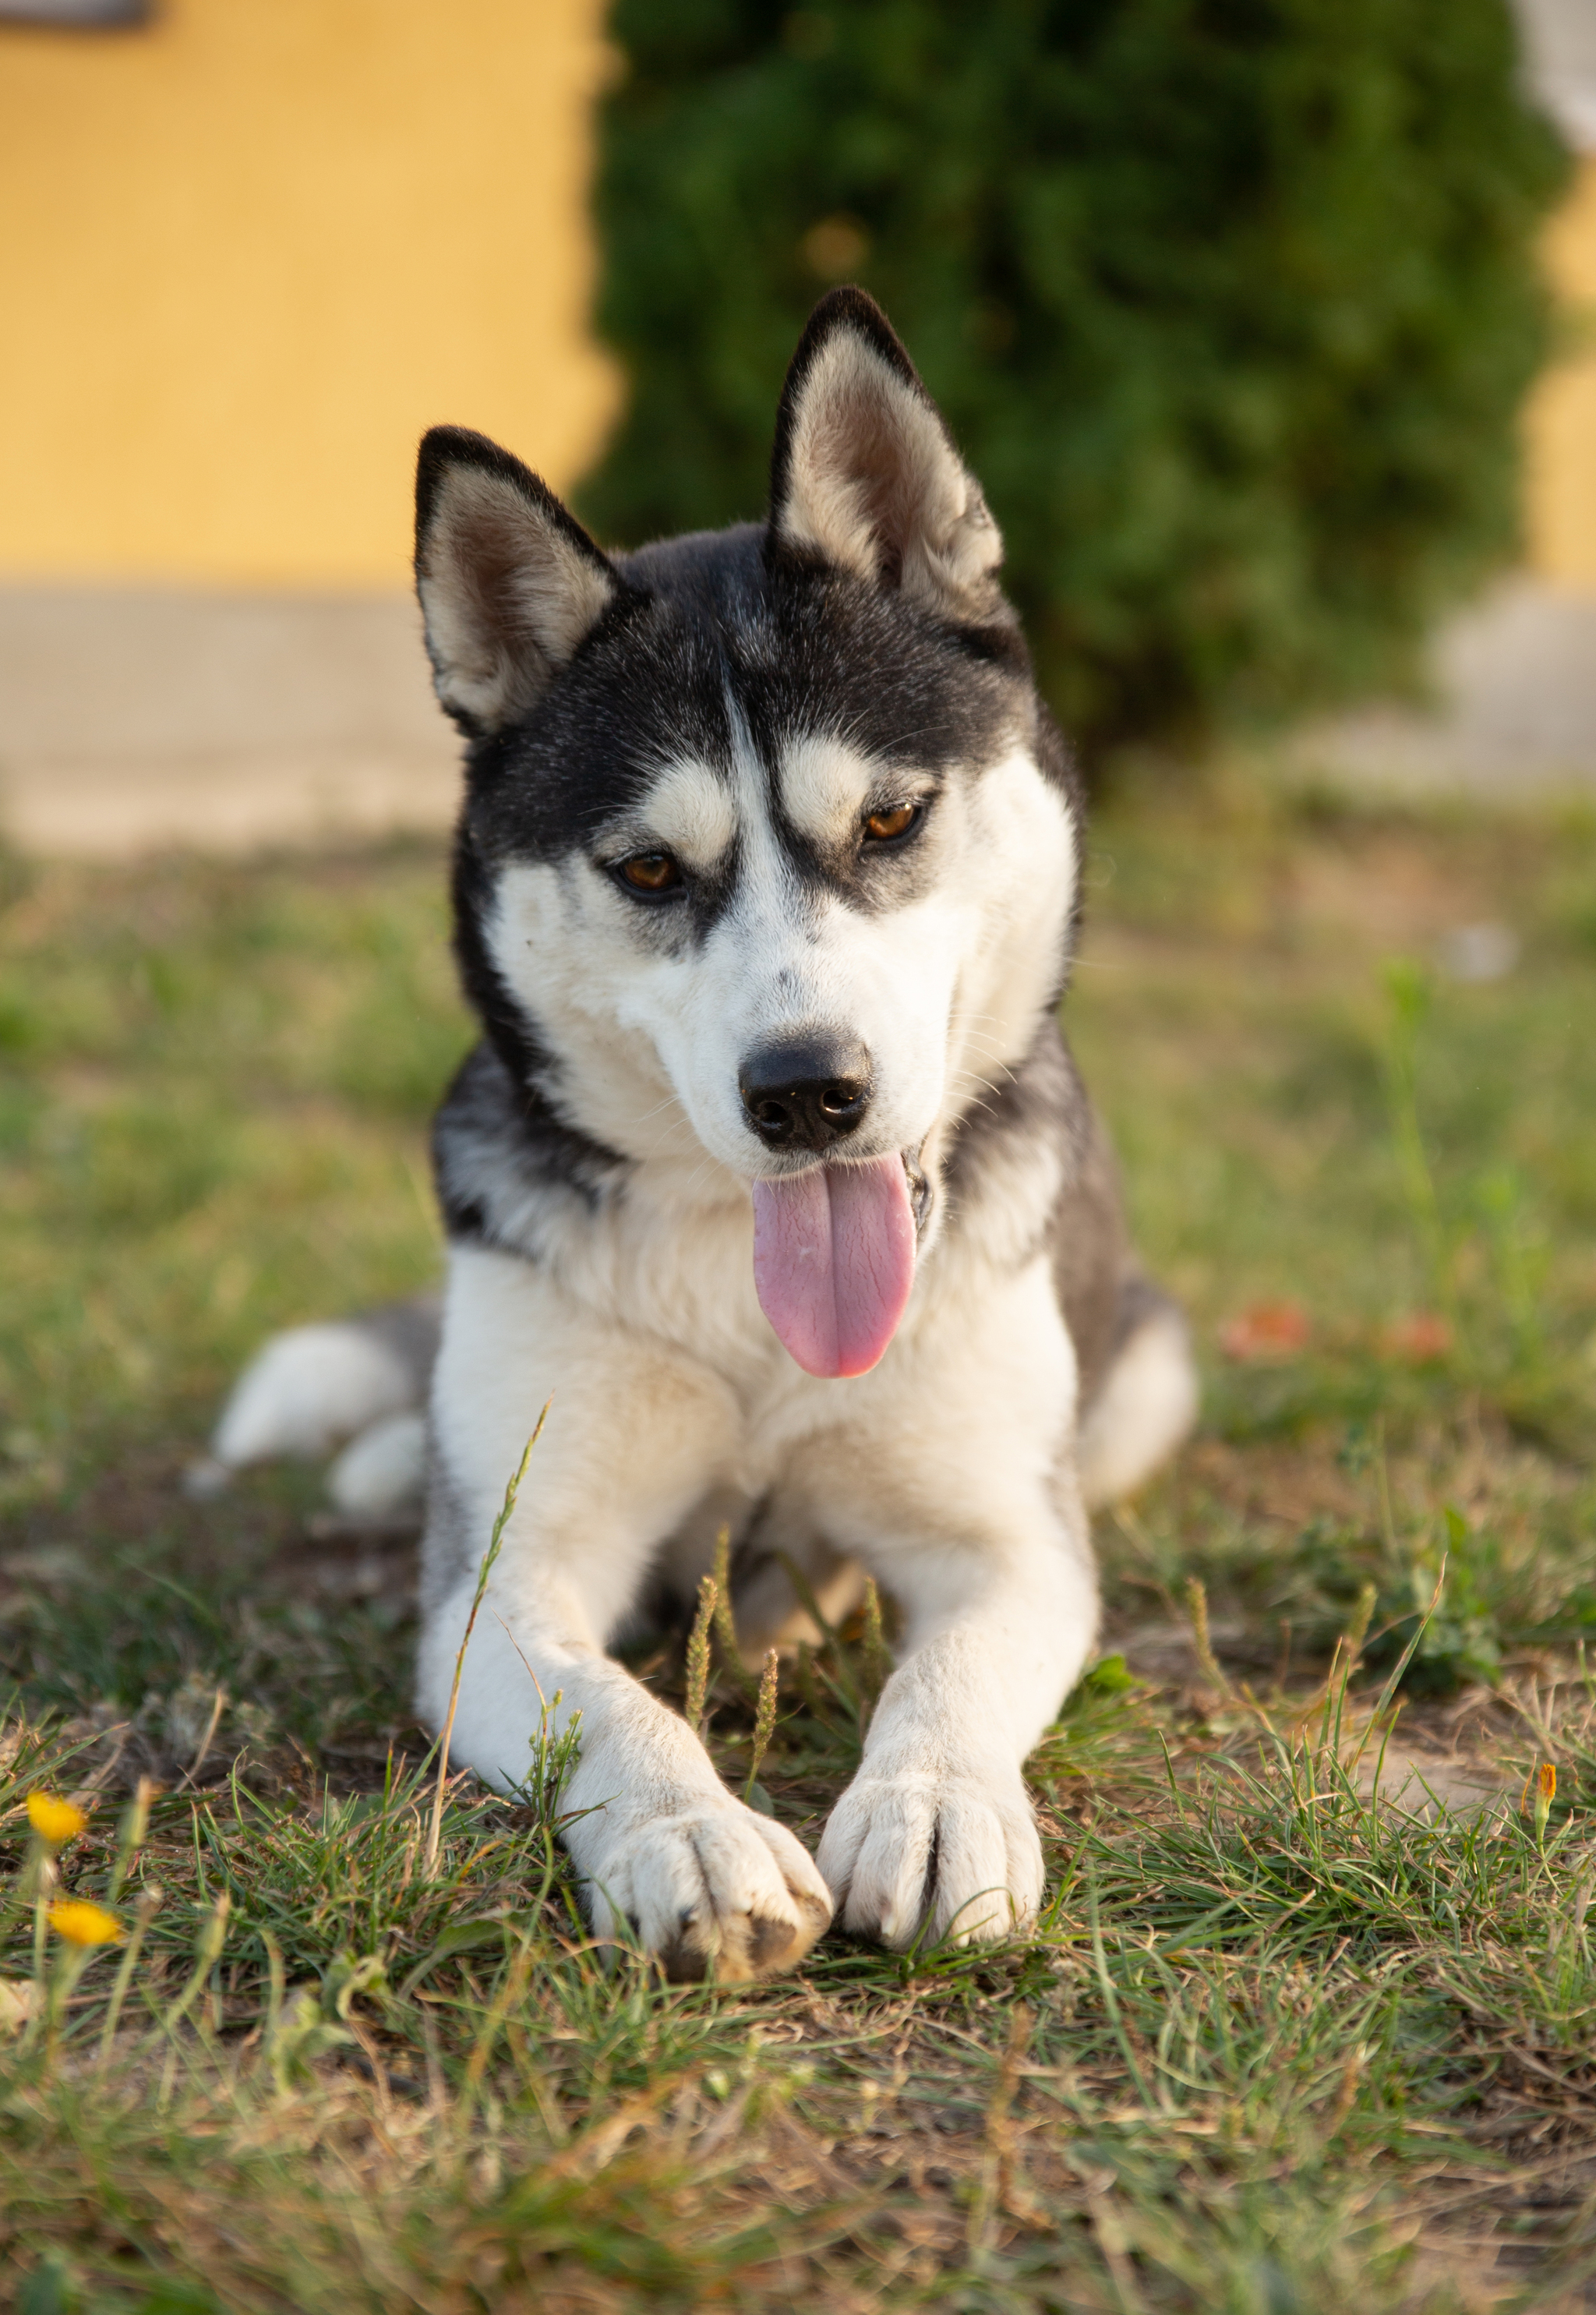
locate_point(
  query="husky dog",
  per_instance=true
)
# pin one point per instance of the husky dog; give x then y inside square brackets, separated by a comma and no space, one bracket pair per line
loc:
[772,1168]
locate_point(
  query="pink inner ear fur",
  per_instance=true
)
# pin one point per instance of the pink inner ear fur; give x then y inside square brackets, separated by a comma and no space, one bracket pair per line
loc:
[875,485]
[507,597]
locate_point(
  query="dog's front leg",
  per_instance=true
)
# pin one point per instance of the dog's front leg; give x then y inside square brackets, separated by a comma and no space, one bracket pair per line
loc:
[985,1549]
[935,1835]
[670,1861]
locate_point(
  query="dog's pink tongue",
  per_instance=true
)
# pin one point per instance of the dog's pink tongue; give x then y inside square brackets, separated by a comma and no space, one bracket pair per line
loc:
[834,1254]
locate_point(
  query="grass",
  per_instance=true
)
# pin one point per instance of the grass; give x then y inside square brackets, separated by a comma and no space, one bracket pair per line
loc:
[1291,2037]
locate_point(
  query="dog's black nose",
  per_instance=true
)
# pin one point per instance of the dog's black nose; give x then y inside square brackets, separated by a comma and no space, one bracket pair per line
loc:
[805,1092]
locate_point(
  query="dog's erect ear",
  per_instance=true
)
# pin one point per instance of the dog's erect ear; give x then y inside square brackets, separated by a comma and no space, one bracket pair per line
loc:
[865,473]
[510,584]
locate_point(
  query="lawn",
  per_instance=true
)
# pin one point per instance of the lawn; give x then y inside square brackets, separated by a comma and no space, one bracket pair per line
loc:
[1309,2022]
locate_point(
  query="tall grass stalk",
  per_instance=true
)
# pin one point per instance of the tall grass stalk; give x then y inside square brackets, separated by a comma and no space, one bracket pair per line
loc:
[764,1719]
[130,1835]
[1407,1003]
[147,1906]
[1212,1670]
[725,1623]
[435,1828]
[876,1661]
[213,1936]
[698,1653]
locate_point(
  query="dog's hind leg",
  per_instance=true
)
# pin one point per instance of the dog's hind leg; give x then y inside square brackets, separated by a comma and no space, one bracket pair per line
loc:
[1133,1354]
[1146,1401]
[772,1614]
[362,1379]
[771,1611]
[766,1546]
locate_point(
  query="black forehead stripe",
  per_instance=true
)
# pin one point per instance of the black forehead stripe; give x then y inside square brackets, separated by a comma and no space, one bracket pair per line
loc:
[869,878]
[857,663]
[801,651]
[705,620]
[650,691]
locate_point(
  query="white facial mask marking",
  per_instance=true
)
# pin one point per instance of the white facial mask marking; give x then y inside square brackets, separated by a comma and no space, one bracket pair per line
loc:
[826,786]
[944,991]
[688,811]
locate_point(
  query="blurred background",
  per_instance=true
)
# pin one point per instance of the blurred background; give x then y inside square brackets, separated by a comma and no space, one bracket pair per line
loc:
[254,248]
[1267,324]
[1262,324]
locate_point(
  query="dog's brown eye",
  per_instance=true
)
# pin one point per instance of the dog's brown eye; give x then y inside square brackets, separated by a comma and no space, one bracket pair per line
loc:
[882,826]
[651,872]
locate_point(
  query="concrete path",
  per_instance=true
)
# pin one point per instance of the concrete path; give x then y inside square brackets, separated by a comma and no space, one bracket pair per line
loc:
[1514,713]
[135,721]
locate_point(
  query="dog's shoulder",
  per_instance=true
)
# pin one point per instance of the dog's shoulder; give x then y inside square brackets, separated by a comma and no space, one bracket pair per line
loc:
[507,1166]
[1015,1148]
[1031,1169]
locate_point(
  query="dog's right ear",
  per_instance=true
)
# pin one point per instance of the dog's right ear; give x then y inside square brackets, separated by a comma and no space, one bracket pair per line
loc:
[510,584]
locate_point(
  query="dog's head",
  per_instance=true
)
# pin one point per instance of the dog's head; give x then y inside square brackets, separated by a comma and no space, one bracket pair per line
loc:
[769,850]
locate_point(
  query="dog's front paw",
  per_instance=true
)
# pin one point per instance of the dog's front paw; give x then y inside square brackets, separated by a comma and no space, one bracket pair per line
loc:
[711,1886]
[912,1852]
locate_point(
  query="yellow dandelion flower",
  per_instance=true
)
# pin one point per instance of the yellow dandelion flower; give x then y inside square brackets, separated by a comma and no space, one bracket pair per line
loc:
[1548,1782]
[54,1820]
[82,1923]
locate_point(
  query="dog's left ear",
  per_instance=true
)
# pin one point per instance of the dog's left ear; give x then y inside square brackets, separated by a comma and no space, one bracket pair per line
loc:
[865,473]
[510,584]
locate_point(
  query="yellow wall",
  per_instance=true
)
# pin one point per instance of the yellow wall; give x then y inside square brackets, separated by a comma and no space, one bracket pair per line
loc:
[1560,509]
[247,254]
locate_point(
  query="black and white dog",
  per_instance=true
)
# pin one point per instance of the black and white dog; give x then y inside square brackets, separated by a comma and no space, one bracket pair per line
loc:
[771,1167]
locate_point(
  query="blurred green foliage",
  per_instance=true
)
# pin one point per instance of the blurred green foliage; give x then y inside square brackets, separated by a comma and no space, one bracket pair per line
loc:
[1231,304]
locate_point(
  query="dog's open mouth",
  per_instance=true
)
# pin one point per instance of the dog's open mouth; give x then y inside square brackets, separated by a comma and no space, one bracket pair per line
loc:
[834,1257]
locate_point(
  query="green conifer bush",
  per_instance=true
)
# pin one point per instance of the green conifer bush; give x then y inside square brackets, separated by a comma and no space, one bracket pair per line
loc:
[1231,304]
